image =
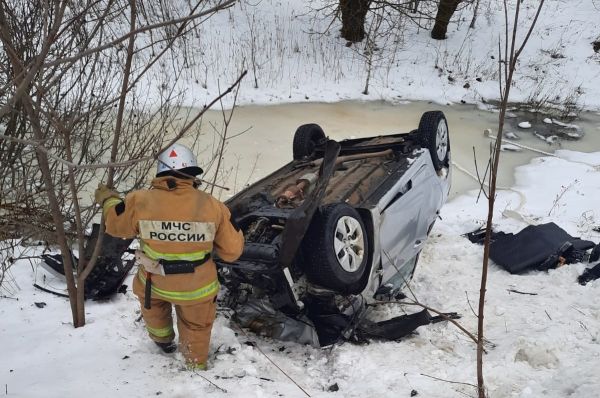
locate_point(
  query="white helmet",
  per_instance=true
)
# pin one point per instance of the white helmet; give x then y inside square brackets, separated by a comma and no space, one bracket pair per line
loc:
[177,157]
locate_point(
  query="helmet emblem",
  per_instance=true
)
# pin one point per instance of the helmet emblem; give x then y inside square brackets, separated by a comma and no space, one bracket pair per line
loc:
[173,154]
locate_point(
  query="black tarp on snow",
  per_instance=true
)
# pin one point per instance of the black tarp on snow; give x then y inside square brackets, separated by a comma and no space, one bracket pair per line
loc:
[536,247]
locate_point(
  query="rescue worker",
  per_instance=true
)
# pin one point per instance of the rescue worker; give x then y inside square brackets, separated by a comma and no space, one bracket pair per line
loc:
[178,227]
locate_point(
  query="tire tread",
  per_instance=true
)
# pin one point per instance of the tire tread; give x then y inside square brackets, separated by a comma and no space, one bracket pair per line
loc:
[320,260]
[427,136]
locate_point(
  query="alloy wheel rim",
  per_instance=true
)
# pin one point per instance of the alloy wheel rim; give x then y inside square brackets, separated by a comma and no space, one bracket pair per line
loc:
[349,243]
[441,140]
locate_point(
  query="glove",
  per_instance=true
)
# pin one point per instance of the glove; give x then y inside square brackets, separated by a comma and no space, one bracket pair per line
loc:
[102,193]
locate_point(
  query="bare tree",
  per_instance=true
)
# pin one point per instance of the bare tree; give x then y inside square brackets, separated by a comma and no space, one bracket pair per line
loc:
[86,97]
[354,14]
[507,64]
[375,45]
[446,9]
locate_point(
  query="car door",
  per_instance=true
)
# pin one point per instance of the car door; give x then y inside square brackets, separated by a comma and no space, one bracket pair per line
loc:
[407,210]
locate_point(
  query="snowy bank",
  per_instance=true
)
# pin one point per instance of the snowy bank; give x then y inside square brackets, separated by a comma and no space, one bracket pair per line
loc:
[294,54]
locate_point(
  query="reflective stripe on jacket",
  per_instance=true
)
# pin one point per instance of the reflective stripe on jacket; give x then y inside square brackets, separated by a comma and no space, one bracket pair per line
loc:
[176,221]
[154,255]
[202,293]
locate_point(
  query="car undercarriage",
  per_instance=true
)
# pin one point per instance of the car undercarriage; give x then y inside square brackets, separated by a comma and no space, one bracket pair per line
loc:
[336,230]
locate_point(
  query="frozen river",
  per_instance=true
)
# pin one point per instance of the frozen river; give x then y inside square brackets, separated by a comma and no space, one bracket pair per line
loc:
[267,144]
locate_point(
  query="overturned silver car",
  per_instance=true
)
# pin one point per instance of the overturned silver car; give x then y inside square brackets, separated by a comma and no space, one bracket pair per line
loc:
[339,227]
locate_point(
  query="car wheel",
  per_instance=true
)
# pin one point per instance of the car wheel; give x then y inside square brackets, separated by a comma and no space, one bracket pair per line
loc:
[306,139]
[336,249]
[433,135]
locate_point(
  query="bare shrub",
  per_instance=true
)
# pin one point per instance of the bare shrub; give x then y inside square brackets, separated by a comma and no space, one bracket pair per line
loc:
[89,94]
[507,65]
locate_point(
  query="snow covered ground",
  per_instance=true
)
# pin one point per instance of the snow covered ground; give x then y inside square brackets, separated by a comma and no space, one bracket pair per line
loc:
[542,345]
[294,63]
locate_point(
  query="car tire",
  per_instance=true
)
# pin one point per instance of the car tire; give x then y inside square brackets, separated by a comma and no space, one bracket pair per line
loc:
[306,138]
[433,136]
[336,249]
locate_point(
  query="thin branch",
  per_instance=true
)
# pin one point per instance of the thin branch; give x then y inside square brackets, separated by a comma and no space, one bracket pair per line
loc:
[22,78]
[510,62]
[475,11]
[221,151]
[50,291]
[519,292]
[238,134]
[196,373]
[443,315]
[273,363]
[36,143]
[218,7]
[448,381]
[470,306]
[415,301]
[480,180]
[537,14]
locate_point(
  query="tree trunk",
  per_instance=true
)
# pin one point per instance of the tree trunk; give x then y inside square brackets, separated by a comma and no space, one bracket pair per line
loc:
[475,11]
[442,19]
[354,13]
[415,6]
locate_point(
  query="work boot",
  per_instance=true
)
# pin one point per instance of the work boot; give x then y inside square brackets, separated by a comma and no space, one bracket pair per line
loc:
[167,347]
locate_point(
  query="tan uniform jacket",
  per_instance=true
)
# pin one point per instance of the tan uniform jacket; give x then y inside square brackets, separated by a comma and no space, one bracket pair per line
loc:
[176,221]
